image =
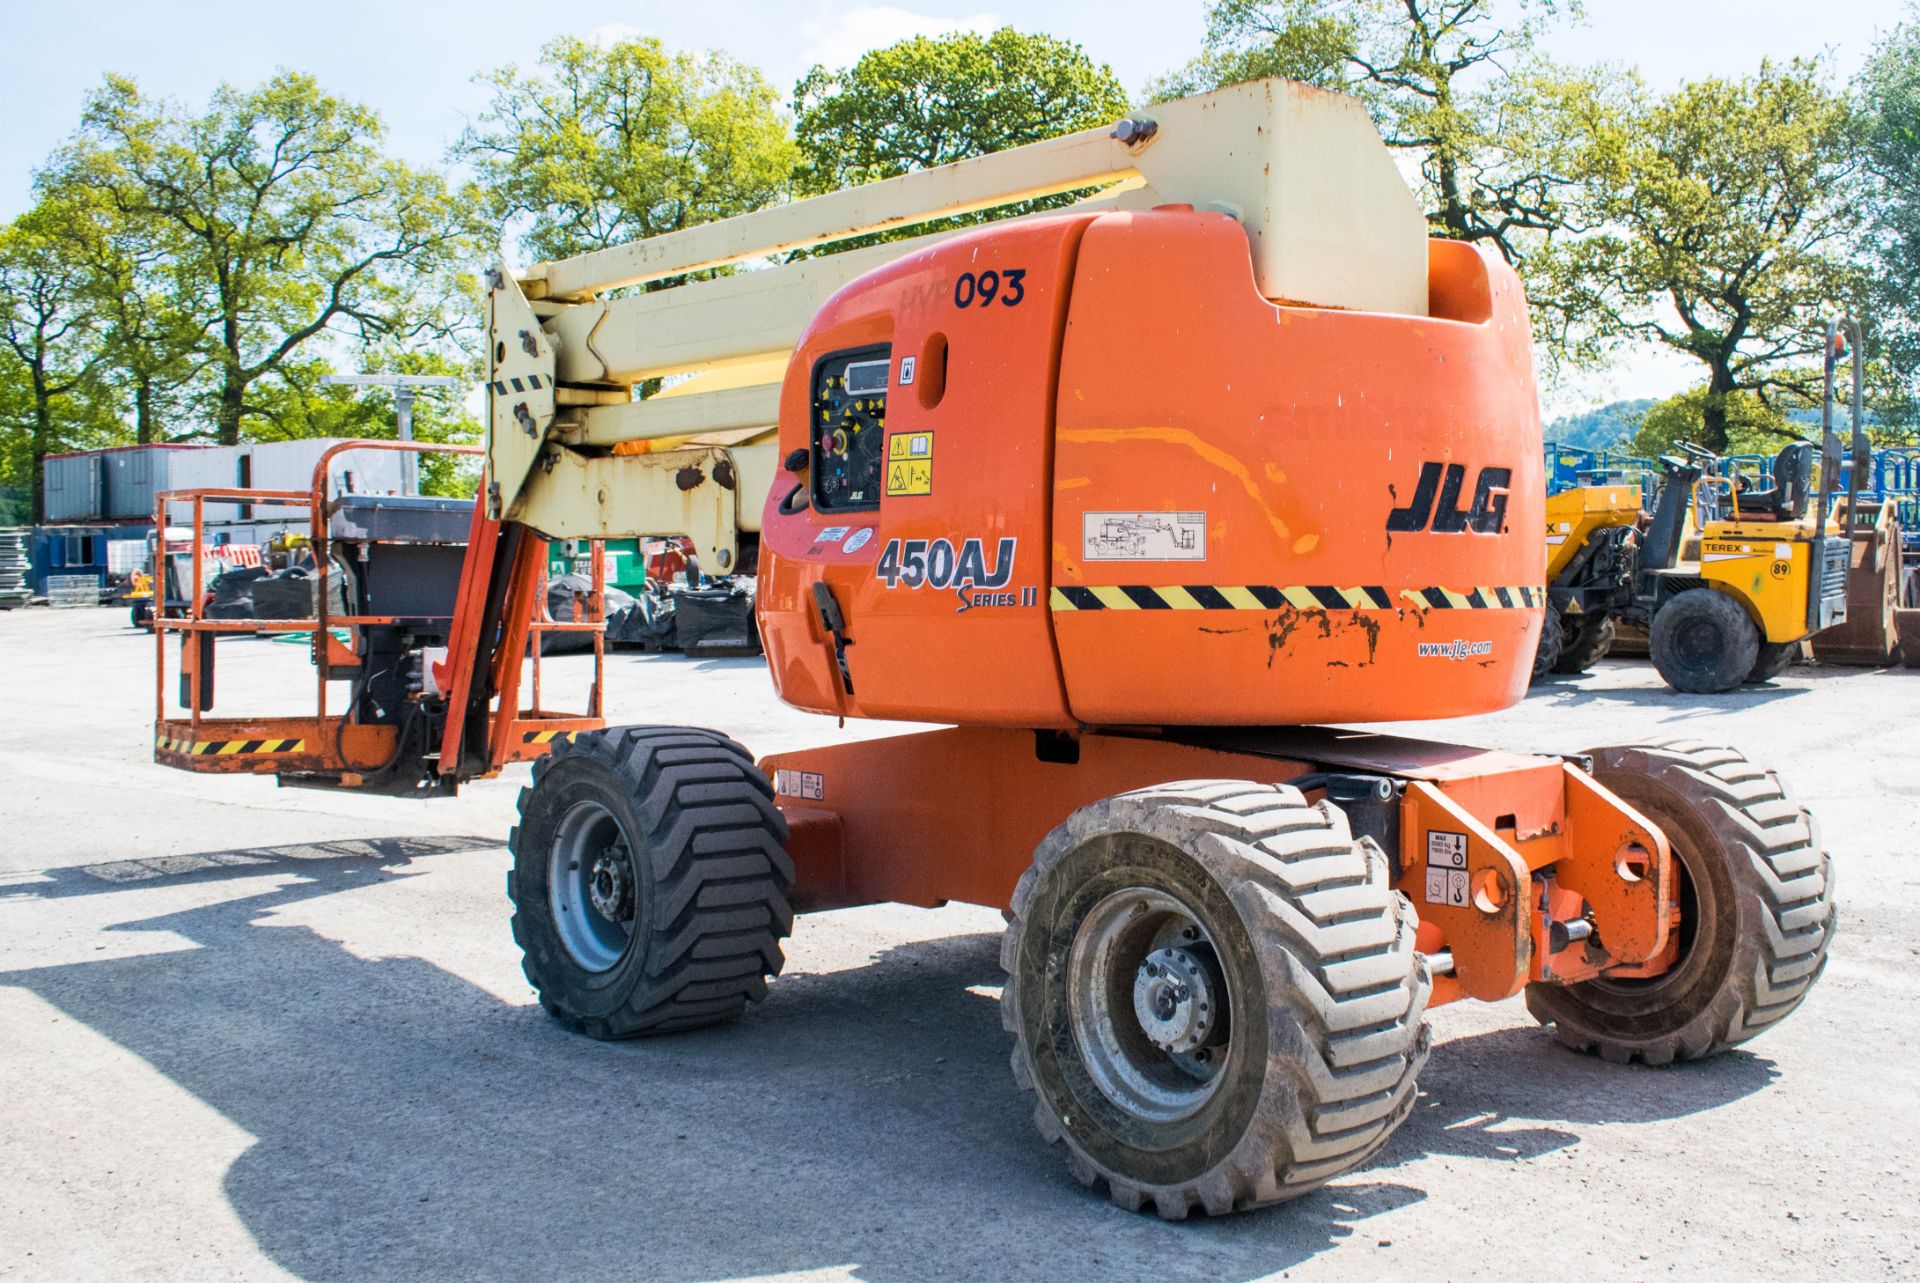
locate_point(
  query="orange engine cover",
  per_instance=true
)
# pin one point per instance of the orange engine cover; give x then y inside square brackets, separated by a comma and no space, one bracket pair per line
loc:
[1076,471]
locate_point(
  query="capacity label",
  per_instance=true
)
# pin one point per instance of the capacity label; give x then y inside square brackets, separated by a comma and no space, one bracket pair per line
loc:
[1446,868]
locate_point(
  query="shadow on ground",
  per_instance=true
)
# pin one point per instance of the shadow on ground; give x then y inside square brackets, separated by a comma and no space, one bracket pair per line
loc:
[1682,707]
[411,1125]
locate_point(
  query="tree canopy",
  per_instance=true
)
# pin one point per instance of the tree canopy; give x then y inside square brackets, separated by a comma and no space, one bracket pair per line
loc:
[1720,228]
[282,221]
[1890,110]
[49,332]
[933,100]
[604,144]
[1451,82]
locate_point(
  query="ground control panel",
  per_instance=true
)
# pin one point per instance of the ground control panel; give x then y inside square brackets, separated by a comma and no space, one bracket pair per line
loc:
[850,428]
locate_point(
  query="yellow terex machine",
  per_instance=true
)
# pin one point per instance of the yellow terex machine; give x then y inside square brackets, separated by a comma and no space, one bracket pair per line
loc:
[1592,534]
[1772,569]
[1132,498]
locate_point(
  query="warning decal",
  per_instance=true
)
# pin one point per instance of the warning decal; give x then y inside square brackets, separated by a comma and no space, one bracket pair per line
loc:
[801,784]
[910,463]
[1446,867]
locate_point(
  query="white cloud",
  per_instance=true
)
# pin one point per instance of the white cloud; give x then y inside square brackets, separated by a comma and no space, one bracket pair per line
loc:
[609,34]
[838,41]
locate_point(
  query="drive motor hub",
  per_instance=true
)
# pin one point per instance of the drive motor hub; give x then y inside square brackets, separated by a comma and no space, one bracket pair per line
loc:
[611,886]
[1174,1001]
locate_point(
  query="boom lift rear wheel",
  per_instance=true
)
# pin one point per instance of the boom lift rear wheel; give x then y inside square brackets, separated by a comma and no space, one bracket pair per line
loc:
[1756,904]
[1703,642]
[1214,995]
[650,881]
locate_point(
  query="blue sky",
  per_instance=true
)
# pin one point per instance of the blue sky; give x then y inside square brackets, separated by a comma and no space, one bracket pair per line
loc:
[416,61]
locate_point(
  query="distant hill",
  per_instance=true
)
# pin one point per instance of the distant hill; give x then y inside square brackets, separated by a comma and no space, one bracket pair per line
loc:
[1601,427]
[1610,426]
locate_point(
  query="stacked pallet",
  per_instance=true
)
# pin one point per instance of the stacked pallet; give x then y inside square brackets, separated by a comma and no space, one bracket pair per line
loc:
[73,590]
[13,568]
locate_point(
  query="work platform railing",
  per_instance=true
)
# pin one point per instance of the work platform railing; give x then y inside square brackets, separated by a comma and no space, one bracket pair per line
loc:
[333,745]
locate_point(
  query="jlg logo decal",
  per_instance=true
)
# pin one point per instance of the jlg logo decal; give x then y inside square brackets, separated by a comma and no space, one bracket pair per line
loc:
[1436,502]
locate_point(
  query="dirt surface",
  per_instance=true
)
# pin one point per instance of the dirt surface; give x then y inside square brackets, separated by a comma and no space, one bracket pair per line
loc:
[251,1033]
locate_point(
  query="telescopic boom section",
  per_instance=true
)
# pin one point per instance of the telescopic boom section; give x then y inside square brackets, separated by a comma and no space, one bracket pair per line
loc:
[1329,220]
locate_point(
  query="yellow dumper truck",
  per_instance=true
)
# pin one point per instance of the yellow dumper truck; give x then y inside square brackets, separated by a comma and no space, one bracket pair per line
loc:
[1771,570]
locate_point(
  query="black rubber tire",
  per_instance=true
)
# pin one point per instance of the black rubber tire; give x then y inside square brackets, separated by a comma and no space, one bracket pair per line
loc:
[1703,642]
[141,613]
[711,878]
[1585,643]
[1547,654]
[1326,994]
[1774,659]
[1757,903]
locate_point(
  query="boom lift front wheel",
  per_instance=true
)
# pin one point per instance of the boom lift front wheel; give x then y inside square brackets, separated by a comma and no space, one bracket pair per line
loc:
[1214,995]
[650,881]
[1756,911]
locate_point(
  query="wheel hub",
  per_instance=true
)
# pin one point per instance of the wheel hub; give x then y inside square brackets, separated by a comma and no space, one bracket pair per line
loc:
[1149,1003]
[611,888]
[1173,999]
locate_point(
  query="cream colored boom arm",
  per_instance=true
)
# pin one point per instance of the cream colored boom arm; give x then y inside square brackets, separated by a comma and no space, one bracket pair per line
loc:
[1329,221]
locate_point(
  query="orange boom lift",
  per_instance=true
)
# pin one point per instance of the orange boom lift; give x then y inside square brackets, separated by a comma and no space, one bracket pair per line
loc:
[1135,498]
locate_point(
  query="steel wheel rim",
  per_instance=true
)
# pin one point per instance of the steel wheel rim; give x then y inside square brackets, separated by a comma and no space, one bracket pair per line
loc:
[592,894]
[1698,641]
[1107,992]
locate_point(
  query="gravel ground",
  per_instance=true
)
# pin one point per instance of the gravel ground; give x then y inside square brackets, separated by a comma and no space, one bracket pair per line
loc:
[250,1033]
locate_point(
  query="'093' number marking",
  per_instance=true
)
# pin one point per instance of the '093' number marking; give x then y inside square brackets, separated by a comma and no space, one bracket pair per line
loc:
[982,289]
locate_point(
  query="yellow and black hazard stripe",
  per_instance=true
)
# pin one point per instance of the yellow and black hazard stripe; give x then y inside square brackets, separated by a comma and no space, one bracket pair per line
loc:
[545,737]
[229,748]
[1297,596]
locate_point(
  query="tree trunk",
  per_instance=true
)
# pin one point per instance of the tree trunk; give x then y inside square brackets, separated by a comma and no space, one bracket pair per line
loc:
[1452,214]
[42,438]
[1713,415]
[144,429]
[233,398]
[233,388]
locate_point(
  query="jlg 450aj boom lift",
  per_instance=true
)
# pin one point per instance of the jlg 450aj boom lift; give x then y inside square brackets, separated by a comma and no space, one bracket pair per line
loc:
[1132,496]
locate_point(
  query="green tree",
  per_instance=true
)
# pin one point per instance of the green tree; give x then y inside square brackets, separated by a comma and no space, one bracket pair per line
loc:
[601,145]
[1720,228]
[1754,426]
[1453,83]
[50,352]
[933,100]
[286,224]
[152,345]
[1890,103]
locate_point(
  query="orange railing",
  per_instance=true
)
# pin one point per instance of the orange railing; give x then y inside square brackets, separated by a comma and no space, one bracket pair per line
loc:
[335,747]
